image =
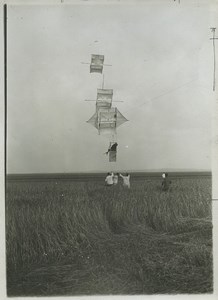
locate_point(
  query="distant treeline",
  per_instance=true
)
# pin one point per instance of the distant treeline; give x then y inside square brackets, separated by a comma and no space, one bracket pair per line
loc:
[100,176]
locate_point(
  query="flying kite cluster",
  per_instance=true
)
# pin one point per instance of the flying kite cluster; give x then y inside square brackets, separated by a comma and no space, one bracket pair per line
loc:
[106,118]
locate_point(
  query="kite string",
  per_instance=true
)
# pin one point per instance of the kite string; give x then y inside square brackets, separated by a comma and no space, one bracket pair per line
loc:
[159,96]
[170,91]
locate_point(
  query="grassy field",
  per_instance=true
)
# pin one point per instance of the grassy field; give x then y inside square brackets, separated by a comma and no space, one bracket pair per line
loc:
[82,238]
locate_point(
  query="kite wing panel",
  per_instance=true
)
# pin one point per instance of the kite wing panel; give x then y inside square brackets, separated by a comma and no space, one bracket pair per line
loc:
[120,118]
[94,120]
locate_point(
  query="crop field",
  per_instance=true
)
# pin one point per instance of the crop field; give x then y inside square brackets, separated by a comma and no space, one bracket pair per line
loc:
[66,237]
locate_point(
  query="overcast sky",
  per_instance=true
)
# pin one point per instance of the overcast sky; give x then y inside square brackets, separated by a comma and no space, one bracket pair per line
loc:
[162,67]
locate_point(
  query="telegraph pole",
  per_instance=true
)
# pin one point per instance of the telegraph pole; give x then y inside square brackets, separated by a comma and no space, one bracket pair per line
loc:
[214,56]
[5,81]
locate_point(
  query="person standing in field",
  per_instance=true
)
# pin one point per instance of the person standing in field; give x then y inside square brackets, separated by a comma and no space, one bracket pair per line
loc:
[115,178]
[126,180]
[166,183]
[109,179]
[163,175]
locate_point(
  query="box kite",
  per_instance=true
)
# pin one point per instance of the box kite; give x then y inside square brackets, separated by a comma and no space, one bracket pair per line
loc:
[104,98]
[97,62]
[106,120]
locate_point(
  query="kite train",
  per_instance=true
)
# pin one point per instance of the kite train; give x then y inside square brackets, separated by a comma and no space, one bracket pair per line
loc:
[106,118]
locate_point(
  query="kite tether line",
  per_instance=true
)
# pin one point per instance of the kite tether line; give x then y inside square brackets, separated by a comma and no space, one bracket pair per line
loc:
[161,95]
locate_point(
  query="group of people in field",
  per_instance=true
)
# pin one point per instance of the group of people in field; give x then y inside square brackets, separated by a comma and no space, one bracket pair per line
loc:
[112,179]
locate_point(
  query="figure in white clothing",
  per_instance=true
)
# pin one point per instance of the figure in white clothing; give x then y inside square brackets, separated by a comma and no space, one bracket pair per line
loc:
[126,180]
[109,179]
[115,178]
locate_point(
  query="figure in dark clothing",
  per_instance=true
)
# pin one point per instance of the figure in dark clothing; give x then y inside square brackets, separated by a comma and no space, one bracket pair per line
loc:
[112,148]
[166,183]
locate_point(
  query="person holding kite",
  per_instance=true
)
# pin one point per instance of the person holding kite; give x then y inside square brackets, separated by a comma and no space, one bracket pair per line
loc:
[109,179]
[126,180]
[115,178]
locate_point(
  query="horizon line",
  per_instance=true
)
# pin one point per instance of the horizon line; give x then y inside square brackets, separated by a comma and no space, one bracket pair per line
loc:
[133,171]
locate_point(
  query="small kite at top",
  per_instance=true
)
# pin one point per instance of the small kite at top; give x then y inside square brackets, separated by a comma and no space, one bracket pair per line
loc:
[97,62]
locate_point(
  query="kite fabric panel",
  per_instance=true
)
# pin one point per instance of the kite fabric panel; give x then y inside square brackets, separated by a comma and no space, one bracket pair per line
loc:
[107,121]
[97,62]
[107,131]
[111,117]
[97,59]
[112,156]
[94,120]
[120,119]
[104,98]
[107,117]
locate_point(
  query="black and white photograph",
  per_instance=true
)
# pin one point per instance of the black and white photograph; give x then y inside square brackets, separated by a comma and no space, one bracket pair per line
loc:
[109,109]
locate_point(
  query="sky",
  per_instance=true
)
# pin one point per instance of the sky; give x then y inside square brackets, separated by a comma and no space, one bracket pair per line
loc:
[162,68]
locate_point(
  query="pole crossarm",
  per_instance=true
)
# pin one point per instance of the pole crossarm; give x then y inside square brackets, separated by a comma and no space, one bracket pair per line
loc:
[95,100]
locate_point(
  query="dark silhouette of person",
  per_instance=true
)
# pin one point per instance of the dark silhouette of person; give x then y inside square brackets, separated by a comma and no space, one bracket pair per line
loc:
[112,148]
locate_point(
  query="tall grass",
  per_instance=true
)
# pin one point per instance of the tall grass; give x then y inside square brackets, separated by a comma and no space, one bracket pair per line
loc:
[72,238]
